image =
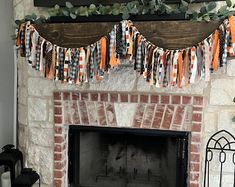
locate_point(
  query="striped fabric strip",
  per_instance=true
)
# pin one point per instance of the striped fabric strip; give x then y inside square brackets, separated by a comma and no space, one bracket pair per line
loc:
[38,53]
[67,59]
[57,63]
[27,41]
[175,67]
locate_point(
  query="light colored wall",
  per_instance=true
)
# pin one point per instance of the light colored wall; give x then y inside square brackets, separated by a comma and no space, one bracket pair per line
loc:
[6,73]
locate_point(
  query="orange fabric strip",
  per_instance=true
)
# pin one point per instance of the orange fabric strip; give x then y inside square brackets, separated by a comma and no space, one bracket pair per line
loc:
[232,27]
[113,60]
[180,68]
[216,51]
[103,52]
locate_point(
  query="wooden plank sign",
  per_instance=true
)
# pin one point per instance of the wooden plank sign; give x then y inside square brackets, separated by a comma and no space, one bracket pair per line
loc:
[166,34]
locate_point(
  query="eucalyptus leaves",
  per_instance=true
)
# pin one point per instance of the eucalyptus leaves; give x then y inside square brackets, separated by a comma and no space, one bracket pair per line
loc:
[124,9]
[208,11]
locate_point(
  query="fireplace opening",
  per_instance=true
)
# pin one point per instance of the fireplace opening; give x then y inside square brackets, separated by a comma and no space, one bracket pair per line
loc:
[120,157]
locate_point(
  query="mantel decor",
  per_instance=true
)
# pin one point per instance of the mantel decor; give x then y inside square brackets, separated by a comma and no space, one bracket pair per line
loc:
[160,67]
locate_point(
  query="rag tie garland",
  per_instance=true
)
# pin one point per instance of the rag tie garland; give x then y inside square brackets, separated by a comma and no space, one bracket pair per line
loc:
[160,67]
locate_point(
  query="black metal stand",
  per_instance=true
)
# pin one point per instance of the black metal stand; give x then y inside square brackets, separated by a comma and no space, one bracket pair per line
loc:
[221,143]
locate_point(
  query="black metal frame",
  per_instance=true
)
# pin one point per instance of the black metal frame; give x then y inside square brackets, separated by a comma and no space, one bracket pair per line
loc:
[215,144]
[73,152]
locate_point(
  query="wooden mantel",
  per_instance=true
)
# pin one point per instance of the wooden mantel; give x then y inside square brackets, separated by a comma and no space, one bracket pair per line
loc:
[166,34]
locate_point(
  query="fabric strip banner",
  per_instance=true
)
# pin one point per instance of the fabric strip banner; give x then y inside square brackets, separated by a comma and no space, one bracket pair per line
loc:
[160,67]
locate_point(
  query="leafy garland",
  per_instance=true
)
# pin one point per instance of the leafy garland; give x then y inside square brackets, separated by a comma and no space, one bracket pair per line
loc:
[207,12]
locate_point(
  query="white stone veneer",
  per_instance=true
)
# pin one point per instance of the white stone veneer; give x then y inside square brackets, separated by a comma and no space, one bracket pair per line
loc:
[35,107]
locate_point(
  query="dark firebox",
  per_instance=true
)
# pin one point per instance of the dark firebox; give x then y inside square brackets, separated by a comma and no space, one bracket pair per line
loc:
[116,157]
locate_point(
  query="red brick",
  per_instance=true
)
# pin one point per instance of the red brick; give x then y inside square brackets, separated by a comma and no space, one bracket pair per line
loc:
[158,116]
[134,98]
[58,174]
[57,103]
[196,127]
[187,100]
[58,165]
[138,115]
[58,130]
[58,110]
[92,113]
[66,96]
[103,97]
[148,116]
[101,113]
[197,117]
[124,97]
[57,183]
[178,118]
[195,148]
[165,99]
[166,124]
[113,97]
[196,138]
[111,116]
[175,99]
[197,108]
[94,96]
[154,99]
[84,96]
[195,157]
[194,177]
[194,167]
[75,96]
[57,95]
[83,113]
[57,148]
[58,119]
[144,98]
[58,139]
[198,100]
[57,156]
[75,116]
[194,185]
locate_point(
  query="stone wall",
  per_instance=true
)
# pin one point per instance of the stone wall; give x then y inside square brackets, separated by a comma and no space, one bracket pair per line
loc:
[35,104]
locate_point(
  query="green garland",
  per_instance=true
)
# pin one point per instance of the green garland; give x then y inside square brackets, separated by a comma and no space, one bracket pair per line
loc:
[208,11]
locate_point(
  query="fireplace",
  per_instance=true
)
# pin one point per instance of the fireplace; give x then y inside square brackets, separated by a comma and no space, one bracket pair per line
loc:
[121,157]
[134,137]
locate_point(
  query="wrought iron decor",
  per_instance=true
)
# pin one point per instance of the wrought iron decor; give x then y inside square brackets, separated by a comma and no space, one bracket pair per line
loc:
[221,144]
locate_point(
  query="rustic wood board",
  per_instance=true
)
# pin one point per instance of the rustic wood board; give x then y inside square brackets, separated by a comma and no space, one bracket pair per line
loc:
[166,34]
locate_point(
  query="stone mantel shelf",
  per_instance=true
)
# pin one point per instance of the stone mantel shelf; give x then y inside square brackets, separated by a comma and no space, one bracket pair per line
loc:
[166,34]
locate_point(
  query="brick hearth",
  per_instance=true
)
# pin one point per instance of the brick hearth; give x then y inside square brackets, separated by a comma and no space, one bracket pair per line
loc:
[166,112]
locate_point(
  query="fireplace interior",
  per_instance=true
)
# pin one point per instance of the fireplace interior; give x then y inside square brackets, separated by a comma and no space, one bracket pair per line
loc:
[120,157]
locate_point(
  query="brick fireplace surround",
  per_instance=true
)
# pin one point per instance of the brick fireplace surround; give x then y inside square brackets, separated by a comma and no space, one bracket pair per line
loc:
[165,112]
